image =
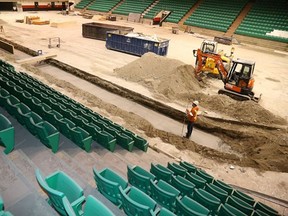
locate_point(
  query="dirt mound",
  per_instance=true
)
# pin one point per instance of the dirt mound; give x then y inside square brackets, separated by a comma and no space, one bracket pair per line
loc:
[246,111]
[173,80]
[166,78]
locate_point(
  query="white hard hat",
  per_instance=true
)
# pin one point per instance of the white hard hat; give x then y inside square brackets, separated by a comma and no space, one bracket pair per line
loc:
[196,103]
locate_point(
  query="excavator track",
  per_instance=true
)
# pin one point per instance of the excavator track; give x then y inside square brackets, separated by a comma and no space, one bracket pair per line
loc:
[238,96]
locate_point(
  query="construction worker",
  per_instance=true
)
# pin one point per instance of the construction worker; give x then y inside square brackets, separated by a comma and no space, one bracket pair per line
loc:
[192,117]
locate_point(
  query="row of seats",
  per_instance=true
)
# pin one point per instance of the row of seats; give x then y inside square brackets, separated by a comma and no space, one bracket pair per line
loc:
[83,3]
[103,5]
[209,12]
[190,183]
[71,118]
[178,9]
[46,132]
[2,211]
[67,197]
[265,17]
[132,6]
[7,132]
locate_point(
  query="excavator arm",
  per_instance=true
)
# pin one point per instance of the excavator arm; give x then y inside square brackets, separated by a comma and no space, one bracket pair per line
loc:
[200,62]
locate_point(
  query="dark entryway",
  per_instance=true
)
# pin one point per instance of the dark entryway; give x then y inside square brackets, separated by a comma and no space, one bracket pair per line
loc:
[6,6]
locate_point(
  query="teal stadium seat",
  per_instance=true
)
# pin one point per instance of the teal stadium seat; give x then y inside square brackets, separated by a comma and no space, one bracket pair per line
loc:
[188,166]
[183,185]
[208,200]
[217,191]
[140,178]
[136,202]
[59,185]
[164,194]
[228,210]
[48,135]
[196,180]
[161,172]
[259,206]
[22,111]
[177,169]
[82,138]
[240,204]
[186,206]
[7,134]
[109,184]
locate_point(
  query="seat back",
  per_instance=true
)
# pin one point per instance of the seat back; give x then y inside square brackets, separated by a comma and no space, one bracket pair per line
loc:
[217,191]
[228,210]
[108,183]
[177,169]
[188,206]
[7,134]
[204,175]
[136,202]
[266,209]
[55,196]
[161,172]
[246,198]
[188,166]
[140,178]
[183,185]
[196,180]
[95,207]
[164,194]
[206,199]
[240,204]
[223,186]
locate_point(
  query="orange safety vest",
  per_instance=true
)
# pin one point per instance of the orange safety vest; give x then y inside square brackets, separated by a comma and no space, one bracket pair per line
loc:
[194,111]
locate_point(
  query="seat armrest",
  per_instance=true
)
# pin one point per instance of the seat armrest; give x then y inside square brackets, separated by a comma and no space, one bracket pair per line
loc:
[77,206]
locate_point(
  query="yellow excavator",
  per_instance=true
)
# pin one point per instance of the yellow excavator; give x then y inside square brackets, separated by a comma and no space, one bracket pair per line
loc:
[209,65]
[238,80]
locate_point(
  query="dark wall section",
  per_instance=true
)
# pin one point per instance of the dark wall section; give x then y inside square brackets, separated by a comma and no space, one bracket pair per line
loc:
[6,6]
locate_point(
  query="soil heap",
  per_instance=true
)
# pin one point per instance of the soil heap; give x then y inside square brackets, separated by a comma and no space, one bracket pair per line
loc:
[172,80]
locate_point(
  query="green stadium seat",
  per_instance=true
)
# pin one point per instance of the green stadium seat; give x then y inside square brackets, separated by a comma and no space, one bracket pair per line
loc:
[109,184]
[106,140]
[12,105]
[196,180]
[223,186]
[59,185]
[7,134]
[136,202]
[48,135]
[188,166]
[140,178]
[4,95]
[22,111]
[240,205]
[183,185]
[259,206]
[82,138]
[204,175]
[228,210]
[161,172]
[125,141]
[206,199]
[164,194]
[95,207]
[217,191]
[177,169]
[31,120]
[246,198]
[187,206]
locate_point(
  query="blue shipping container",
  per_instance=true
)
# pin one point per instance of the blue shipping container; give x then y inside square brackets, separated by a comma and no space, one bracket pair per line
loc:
[135,43]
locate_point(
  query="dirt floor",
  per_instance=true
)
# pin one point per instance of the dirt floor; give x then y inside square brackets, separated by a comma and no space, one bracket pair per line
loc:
[256,132]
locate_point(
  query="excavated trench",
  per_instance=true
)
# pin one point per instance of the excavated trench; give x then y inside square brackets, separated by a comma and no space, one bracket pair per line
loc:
[242,142]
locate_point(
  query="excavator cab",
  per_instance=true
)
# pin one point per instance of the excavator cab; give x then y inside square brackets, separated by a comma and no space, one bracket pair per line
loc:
[240,82]
[209,46]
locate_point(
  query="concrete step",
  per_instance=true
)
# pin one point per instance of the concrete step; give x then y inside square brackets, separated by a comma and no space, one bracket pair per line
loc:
[18,192]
